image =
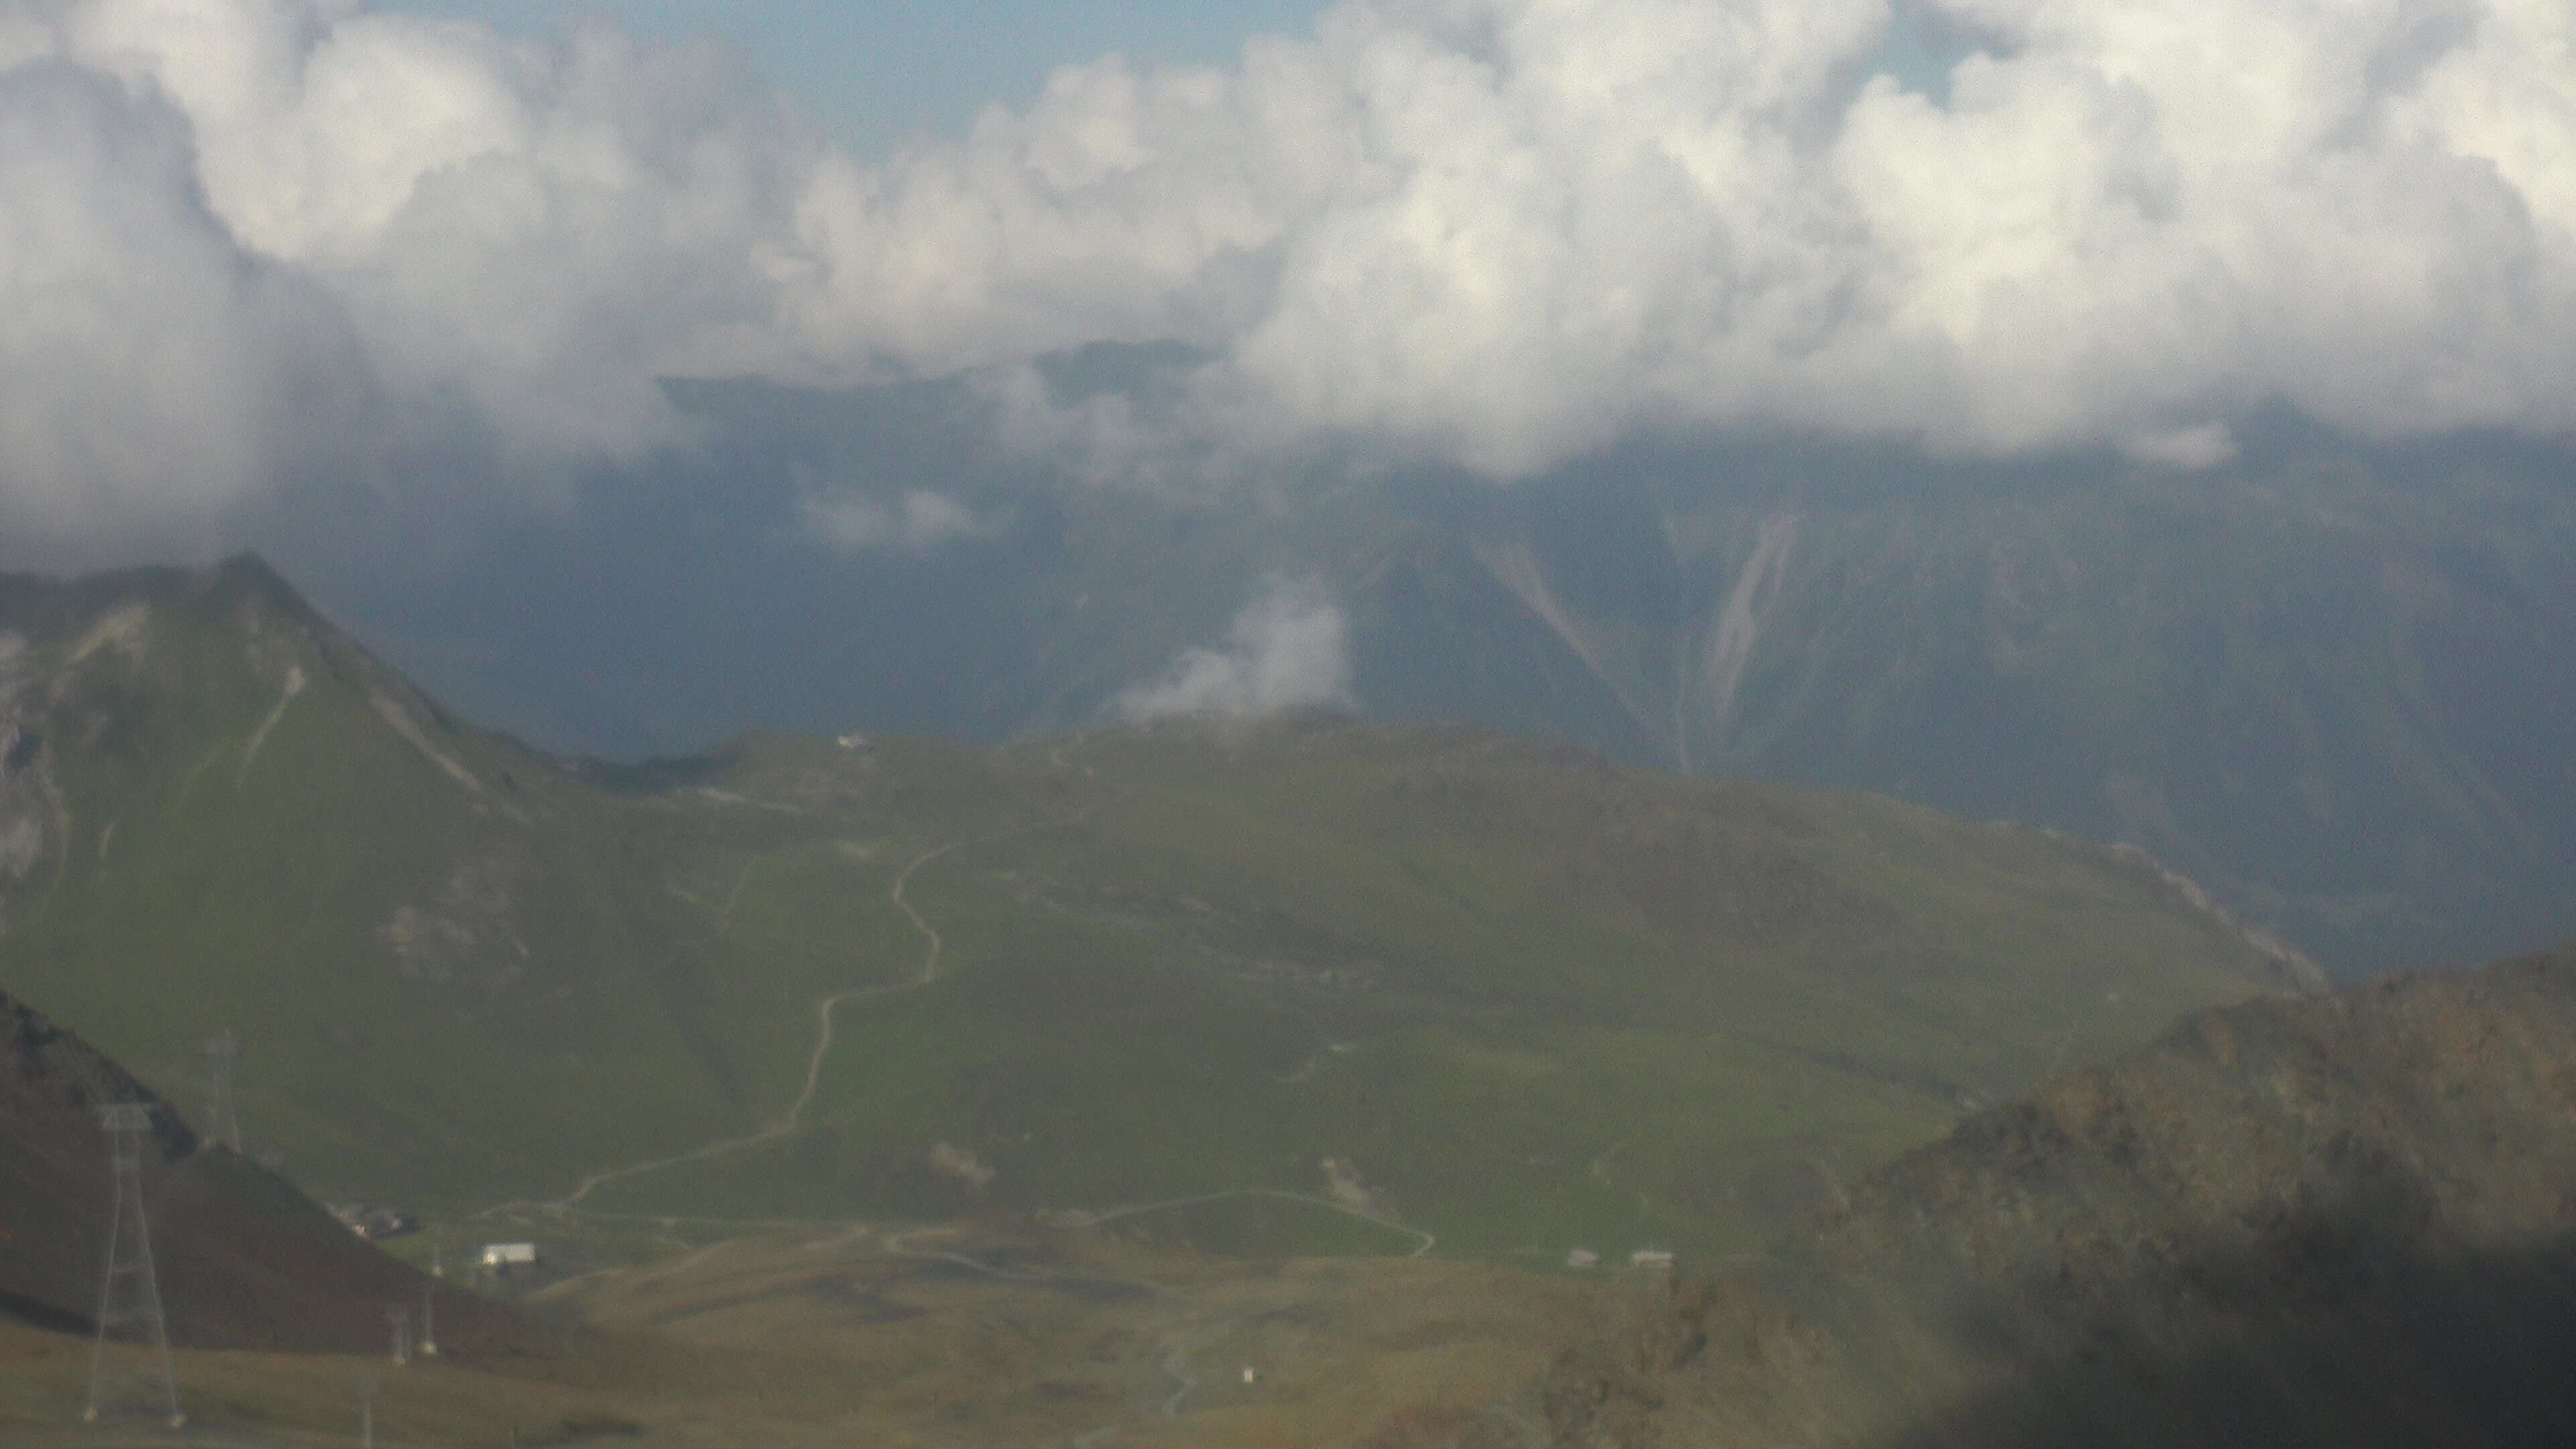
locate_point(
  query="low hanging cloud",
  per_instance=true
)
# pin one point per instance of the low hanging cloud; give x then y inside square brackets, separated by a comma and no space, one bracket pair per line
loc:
[247,240]
[915,522]
[1288,650]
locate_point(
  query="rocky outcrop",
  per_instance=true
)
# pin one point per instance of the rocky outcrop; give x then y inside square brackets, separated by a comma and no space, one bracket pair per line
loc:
[2347,1219]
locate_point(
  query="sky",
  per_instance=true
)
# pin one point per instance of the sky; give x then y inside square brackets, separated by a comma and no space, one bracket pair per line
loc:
[877,74]
[257,249]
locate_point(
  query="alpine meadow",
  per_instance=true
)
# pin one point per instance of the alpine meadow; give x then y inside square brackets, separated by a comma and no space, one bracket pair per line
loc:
[1320,724]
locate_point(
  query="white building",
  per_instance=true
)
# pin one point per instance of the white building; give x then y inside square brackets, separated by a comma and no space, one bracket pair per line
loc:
[502,1257]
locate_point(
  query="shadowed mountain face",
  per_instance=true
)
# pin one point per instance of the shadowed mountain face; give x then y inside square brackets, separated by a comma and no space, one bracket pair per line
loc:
[2347,1220]
[1330,977]
[243,1259]
[2343,697]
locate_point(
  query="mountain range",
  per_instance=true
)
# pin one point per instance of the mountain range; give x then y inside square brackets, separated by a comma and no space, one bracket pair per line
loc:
[1299,984]
[2329,680]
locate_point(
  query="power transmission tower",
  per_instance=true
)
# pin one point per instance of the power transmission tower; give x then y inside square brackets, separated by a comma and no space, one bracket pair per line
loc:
[129,1293]
[367,1386]
[429,1305]
[221,1125]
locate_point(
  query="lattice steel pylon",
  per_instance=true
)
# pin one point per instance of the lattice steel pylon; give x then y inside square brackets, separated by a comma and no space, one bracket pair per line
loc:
[367,1386]
[429,1304]
[129,1293]
[221,1125]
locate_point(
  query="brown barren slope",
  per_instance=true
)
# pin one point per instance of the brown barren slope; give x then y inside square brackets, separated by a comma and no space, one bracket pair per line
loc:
[245,1261]
[2342,1220]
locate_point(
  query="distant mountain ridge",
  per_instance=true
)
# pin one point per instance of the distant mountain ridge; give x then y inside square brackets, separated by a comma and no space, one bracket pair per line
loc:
[2344,700]
[2333,682]
[2343,1220]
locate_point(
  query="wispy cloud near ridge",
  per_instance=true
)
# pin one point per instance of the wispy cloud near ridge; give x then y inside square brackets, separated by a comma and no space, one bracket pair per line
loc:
[242,238]
[1288,650]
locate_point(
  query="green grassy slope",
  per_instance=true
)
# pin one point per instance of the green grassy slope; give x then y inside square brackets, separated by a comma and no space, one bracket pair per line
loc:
[1519,999]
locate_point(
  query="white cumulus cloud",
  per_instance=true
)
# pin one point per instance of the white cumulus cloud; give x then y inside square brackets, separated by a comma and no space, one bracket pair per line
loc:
[151,374]
[1289,649]
[247,239]
[1499,232]
[915,522]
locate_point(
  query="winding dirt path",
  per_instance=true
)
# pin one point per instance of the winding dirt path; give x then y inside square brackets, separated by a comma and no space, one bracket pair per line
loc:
[1176,1364]
[1424,1243]
[826,1013]
[896,1245]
